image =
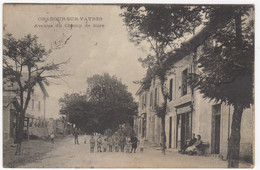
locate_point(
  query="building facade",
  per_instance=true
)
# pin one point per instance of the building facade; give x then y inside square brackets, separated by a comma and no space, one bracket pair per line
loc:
[36,109]
[189,112]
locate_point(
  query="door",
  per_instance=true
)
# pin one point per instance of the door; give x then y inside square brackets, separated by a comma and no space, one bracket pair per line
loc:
[12,123]
[170,132]
[215,136]
[144,125]
[183,129]
[180,130]
[178,133]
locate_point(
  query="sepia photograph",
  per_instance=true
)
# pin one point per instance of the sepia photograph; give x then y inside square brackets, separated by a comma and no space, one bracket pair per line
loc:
[128,85]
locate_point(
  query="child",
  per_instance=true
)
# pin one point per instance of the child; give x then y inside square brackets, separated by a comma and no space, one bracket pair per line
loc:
[52,137]
[122,142]
[128,145]
[163,146]
[105,143]
[76,136]
[85,138]
[110,143]
[92,144]
[99,144]
[142,145]
[116,143]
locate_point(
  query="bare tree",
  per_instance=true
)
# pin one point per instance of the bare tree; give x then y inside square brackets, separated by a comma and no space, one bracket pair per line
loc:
[25,63]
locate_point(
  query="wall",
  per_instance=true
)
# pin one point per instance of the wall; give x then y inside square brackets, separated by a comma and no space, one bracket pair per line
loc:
[6,123]
[37,97]
[177,97]
[202,124]
[201,113]
[6,116]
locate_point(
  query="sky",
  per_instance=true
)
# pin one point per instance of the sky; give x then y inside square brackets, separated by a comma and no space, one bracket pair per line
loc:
[91,50]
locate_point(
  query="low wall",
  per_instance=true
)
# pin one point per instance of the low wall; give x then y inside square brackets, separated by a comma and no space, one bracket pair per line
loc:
[39,131]
[246,152]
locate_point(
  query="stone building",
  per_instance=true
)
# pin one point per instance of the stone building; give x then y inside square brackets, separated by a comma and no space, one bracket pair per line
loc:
[34,115]
[189,112]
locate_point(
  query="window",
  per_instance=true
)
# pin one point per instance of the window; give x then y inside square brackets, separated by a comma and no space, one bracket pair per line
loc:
[140,126]
[188,124]
[155,97]
[32,104]
[144,117]
[145,96]
[140,101]
[184,82]
[39,105]
[151,99]
[170,90]
[143,101]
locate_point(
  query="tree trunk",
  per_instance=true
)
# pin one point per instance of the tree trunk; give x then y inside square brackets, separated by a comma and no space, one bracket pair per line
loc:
[20,133]
[234,141]
[163,135]
[238,25]
[163,115]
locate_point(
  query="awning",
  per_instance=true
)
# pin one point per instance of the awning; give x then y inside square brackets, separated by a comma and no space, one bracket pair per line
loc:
[184,108]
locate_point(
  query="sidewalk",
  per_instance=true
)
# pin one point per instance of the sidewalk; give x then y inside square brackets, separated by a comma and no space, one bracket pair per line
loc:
[217,157]
[31,150]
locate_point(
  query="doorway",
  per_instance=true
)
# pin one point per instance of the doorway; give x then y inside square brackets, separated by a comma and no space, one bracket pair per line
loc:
[144,117]
[215,132]
[183,129]
[170,132]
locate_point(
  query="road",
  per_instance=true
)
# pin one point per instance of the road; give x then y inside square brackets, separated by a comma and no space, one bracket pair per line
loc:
[68,155]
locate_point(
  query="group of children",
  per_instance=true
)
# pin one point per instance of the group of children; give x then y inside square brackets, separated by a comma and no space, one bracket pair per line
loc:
[116,143]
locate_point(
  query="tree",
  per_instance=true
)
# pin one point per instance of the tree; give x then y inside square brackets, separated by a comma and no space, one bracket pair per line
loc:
[229,76]
[160,26]
[78,110]
[24,63]
[114,105]
[106,105]
[224,24]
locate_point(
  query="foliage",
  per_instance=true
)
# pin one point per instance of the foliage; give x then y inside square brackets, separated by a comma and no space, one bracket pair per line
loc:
[227,67]
[25,64]
[231,66]
[106,105]
[116,104]
[108,132]
[77,110]
[160,26]
[227,71]
[126,130]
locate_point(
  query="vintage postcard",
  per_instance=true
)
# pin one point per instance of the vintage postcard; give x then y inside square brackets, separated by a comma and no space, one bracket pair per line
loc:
[128,86]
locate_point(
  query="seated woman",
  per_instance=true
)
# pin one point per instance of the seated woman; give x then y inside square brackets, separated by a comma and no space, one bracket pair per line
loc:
[195,147]
[185,146]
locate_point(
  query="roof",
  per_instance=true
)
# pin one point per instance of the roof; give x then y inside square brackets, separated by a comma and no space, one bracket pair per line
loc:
[43,89]
[190,46]
[139,90]
[14,86]
[7,100]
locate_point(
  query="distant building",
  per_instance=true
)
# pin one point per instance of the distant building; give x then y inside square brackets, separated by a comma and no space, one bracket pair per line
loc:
[190,113]
[36,109]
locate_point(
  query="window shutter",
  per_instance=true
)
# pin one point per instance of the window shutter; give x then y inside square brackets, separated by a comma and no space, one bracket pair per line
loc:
[170,89]
[189,72]
[174,90]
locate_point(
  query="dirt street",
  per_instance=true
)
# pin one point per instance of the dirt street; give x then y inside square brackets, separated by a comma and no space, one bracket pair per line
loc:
[69,155]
